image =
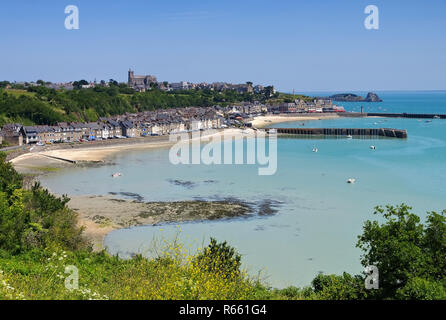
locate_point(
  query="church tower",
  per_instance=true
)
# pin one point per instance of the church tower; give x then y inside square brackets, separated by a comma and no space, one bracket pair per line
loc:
[131,75]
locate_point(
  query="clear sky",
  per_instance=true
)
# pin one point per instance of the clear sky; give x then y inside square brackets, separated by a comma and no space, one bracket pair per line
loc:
[300,44]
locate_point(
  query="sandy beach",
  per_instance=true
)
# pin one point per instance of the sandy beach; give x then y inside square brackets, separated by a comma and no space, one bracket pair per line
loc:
[264,121]
[39,161]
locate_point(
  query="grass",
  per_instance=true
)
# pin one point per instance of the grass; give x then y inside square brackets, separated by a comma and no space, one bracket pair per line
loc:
[20,92]
[172,275]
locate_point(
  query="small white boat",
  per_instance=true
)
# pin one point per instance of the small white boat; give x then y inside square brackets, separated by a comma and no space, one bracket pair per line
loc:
[117,174]
[351,180]
[315,150]
[373,147]
[272,131]
[436,117]
[349,137]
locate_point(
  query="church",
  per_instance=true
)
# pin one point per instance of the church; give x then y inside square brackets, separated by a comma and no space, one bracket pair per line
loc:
[140,83]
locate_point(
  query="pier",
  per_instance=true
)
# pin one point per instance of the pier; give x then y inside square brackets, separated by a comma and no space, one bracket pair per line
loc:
[407,115]
[361,132]
[393,115]
[60,159]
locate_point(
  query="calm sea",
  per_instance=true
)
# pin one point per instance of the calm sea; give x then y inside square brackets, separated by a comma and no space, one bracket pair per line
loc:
[319,215]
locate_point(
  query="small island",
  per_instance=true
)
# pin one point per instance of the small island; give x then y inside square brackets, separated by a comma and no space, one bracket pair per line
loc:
[350,97]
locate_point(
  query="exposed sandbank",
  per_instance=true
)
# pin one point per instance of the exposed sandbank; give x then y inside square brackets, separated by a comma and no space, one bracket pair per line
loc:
[102,214]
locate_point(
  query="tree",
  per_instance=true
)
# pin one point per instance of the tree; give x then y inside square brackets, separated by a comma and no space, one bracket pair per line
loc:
[333,287]
[220,257]
[422,289]
[10,180]
[34,218]
[402,248]
[4,84]
[79,84]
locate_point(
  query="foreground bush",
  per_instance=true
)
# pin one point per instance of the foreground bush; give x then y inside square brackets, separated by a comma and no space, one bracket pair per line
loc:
[40,274]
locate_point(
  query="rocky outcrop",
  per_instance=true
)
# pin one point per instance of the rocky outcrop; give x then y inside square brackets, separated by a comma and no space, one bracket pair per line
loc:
[350,97]
[372,97]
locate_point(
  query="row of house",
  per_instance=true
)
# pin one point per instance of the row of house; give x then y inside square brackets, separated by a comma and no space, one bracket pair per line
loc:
[300,106]
[128,125]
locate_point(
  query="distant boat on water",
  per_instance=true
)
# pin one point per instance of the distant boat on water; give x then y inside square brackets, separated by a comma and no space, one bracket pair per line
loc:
[351,180]
[117,174]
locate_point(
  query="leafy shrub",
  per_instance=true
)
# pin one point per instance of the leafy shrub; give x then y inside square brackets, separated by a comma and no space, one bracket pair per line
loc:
[221,258]
[333,287]
[421,289]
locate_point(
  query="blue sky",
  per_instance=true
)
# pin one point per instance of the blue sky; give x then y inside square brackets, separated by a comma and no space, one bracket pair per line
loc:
[301,45]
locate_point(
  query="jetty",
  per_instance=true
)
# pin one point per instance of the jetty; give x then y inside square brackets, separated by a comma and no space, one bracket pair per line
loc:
[393,115]
[59,158]
[408,115]
[343,132]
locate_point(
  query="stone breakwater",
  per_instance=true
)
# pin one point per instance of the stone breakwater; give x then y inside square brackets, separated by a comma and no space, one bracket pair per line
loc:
[361,132]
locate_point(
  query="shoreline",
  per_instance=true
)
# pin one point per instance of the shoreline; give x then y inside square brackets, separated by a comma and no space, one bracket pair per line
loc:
[65,156]
[100,215]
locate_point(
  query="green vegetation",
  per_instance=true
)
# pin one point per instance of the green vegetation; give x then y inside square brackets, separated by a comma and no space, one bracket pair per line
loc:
[409,255]
[39,238]
[41,105]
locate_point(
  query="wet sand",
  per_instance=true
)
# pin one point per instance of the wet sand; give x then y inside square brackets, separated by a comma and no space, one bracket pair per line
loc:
[102,214]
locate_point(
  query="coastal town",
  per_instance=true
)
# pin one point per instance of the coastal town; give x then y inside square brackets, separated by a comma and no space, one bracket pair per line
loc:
[161,121]
[155,123]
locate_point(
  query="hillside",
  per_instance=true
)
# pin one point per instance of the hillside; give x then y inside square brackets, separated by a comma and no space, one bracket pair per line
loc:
[43,106]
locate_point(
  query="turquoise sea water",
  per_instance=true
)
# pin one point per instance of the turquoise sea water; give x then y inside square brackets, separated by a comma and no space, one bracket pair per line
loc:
[319,215]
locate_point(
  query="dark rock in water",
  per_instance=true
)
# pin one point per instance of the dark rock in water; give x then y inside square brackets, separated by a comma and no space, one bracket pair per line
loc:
[372,97]
[135,196]
[186,184]
[350,97]
[268,207]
